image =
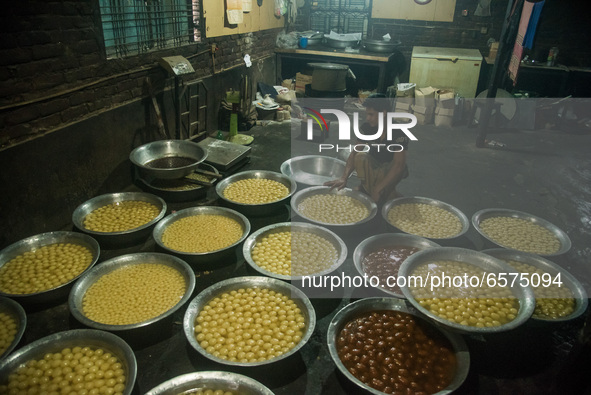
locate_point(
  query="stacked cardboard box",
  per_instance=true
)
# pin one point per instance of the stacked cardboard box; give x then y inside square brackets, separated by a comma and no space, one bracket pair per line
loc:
[301,81]
[405,96]
[444,112]
[424,106]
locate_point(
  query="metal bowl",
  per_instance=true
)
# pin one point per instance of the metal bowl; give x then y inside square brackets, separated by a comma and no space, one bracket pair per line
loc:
[352,310]
[384,240]
[44,239]
[201,257]
[524,295]
[256,209]
[82,286]
[231,284]
[126,237]
[17,313]
[322,190]
[423,200]
[146,153]
[214,380]
[74,338]
[326,234]
[579,294]
[334,43]
[380,45]
[313,169]
[159,187]
[478,217]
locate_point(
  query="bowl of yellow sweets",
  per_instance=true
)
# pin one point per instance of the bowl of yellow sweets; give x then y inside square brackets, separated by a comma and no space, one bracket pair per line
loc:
[118,220]
[256,192]
[559,295]
[133,291]
[13,321]
[211,383]
[203,234]
[81,361]
[43,268]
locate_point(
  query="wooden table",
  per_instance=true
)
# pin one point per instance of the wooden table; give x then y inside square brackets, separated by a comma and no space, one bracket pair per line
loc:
[322,53]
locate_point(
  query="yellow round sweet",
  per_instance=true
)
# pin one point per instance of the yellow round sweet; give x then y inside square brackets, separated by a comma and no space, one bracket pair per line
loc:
[333,209]
[133,294]
[202,233]
[77,370]
[44,268]
[296,253]
[255,191]
[8,329]
[479,306]
[425,220]
[121,216]
[249,325]
[520,234]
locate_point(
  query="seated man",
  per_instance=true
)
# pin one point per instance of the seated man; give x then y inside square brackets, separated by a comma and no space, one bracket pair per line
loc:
[380,171]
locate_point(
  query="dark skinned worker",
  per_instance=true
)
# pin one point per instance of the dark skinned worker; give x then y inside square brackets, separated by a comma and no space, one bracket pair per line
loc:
[379,170]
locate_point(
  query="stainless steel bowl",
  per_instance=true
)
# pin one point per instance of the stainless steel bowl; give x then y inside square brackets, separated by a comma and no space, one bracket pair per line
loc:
[579,294]
[166,149]
[256,209]
[74,338]
[326,234]
[321,190]
[126,237]
[313,170]
[352,310]
[478,217]
[231,284]
[524,295]
[389,205]
[82,286]
[214,380]
[44,239]
[160,187]
[380,45]
[385,240]
[17,313]
[201,257]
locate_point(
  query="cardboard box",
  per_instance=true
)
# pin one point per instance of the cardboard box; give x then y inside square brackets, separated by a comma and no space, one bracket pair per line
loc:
[424,114]
[405,90]
[425,97]
[301,81]
[444,112]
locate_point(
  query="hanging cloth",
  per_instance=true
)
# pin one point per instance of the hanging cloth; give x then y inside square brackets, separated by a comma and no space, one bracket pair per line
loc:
[528,41]
[518,47]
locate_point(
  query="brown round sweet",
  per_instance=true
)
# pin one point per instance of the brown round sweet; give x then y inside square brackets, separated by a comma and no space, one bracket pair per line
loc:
[396,353]
[385,262]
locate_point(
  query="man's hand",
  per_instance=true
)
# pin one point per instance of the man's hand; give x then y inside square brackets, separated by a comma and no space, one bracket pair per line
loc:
[338,184]
[376,194]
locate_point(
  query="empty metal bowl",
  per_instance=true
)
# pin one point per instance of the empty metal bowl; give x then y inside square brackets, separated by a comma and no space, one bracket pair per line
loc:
[212,380]
[256,209]
[44,239]
[336,43]
[179,190]
[389,205]
[326,234]
[568,280]
[17,313]
[374,45]
[201,257]
[299,197]
[313,170]
[69,339]
[179,158]
[75,301]
[354,309]
[524,295]
[231,284]
[387,240]
[126,237]
[478,217]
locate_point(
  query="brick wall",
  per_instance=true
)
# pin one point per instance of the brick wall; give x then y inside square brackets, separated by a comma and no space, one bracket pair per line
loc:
[53,71]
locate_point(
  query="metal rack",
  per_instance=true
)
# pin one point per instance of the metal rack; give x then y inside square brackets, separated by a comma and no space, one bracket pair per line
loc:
[342,16]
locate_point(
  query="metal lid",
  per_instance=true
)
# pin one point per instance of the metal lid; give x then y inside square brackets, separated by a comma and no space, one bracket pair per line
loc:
[329,66]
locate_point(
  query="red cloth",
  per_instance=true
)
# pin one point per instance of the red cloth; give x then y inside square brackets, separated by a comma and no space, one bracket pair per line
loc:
[518,47]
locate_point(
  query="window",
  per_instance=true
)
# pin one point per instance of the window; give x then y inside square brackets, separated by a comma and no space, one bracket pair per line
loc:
[132,27]
[342,16]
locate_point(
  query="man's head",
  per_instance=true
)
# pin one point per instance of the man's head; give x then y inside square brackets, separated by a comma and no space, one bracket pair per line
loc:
[374,105]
